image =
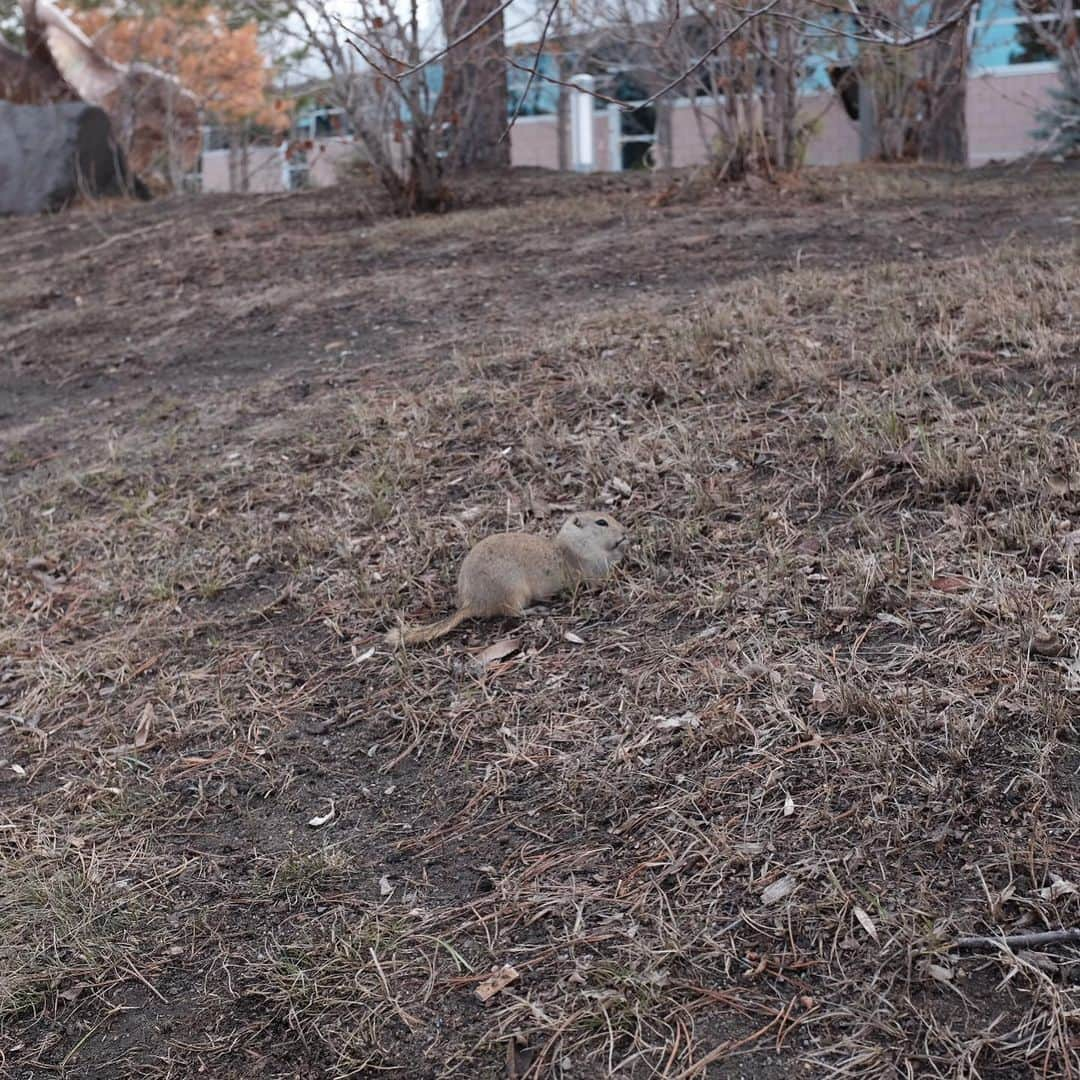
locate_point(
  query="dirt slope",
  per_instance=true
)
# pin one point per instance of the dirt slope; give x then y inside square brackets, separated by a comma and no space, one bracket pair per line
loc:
[724,816]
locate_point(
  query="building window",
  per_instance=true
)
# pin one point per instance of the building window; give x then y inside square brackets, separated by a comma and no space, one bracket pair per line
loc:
[319,123]
[543,97]
[1008,35]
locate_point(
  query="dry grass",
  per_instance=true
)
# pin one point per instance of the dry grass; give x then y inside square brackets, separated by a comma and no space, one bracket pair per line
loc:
[806,743]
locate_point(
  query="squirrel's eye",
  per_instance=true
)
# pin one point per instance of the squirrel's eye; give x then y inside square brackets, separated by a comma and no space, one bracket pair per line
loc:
[602,522]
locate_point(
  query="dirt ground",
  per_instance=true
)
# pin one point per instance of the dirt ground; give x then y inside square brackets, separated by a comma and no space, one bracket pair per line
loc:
[725,816]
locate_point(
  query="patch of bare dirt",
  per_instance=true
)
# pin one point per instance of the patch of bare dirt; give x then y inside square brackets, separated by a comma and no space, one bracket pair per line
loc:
[148,307]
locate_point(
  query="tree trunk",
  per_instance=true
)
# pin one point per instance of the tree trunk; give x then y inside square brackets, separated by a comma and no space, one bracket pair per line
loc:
[788,93]
[562,127]
[245,159]
[562,116]
[234,160]
[869,135]
[943,132]
[474,97]
[562,73]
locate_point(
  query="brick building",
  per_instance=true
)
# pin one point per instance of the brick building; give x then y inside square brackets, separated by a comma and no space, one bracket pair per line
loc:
[1010,74]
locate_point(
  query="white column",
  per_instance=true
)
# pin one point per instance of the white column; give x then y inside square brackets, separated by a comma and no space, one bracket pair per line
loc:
[582,138]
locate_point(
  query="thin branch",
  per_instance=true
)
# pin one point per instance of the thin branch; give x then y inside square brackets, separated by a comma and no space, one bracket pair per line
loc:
[367,59]
[460,39]
[847,35]
[532,74]
[711,51]
[569,85]
[1045,937]
[749,17]
[873,36]
[880,38]
[676,15]
[350,34]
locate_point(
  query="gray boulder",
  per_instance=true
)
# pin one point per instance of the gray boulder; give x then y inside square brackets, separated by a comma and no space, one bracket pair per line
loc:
[51,153]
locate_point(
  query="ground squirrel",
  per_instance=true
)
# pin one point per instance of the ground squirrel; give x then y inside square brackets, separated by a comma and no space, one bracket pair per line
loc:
[504,574]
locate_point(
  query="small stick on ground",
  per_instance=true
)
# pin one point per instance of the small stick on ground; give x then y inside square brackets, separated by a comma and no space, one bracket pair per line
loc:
[1044,937]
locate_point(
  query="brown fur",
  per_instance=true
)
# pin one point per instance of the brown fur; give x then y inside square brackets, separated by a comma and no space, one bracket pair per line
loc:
[506,573]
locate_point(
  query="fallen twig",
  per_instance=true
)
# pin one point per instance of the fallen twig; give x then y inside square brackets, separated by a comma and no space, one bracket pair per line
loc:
[1043,937]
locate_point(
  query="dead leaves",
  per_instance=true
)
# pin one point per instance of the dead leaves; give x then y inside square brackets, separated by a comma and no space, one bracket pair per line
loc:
[144,726]
[497,982]
[688,720]
[866,922]
[320,820]
[952,583]
[506,653]
[141,738]
[490,657]
[939,973]
[778,890]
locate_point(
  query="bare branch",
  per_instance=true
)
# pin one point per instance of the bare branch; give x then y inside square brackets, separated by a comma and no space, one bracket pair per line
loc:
[367,59]
[569,85]
[1045,937]
[906,42]
[532,74]
[847,35]
[449,46]
[711,51]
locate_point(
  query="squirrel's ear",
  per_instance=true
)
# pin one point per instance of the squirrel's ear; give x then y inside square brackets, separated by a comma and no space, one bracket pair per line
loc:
[577,523]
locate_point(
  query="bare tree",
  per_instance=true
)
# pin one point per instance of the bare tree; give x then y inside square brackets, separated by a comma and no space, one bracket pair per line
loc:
[474,96]
[742,68]
[891,98]
[745,96]
[394,118]
[912,73]
[917,96]
[421,114]
[943,131]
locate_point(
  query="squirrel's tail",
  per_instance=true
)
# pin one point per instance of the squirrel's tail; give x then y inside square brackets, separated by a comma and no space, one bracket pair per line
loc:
[418,634]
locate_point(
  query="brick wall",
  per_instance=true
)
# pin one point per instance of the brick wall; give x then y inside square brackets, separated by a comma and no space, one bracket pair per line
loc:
[1001,112]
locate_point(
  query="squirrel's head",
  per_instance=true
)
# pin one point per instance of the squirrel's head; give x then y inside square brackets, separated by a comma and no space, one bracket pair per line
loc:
[596,537]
